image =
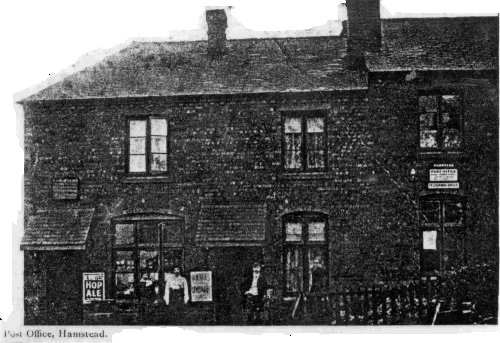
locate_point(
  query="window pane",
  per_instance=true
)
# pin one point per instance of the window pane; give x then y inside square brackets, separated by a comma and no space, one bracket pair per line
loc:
[172,258]
[317,274]
[293,125]
[450,109]
[293,159]
[124,283]
[148,233]
[315,141]
[148,261]
[293,232]
[429,239]
[430,212]
[451,139]
[124,234]
[159,162]
[428,139]
[137,163]
[293,141]
[452,212]
[159,144]
[293,271]
[124,261]
[428,121]
[316,232]
[158,127]
[137,128]
[315,125]
[428,103]
[137,146]
[451,121]
[316,159]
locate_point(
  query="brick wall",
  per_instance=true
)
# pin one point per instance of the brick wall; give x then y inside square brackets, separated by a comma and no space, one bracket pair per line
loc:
[228,149]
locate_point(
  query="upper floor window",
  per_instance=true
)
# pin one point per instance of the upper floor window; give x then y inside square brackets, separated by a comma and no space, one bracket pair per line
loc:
[440,121]
[148,145]
[305,253]
[304,143]
[442,223]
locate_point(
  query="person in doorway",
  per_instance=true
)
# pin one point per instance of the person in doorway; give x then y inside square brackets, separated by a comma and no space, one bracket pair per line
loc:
[176,295]
[317,277]
[253,289]
[318,301]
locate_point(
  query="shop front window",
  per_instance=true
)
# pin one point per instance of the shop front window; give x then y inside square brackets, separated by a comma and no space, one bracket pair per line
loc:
[144,254]
[442,223]
[305,253]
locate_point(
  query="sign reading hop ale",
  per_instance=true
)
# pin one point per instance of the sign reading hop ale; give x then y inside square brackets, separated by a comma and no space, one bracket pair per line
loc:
[201,286]
[93,287]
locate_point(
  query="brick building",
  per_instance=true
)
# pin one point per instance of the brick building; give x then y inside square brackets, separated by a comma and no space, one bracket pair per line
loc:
[374,151]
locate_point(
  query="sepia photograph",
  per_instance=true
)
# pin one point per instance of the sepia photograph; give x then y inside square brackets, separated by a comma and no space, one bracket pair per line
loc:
[332,165]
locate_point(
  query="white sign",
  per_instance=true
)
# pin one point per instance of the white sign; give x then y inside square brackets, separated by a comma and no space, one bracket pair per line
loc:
[443,175]
[429,239]
[444,185]
[201,286]
[93,287]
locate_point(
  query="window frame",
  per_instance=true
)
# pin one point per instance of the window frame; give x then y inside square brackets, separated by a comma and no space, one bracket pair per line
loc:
[303,149]
[439,125]
[304,246]
[443,230]
[136,247]
[148,152]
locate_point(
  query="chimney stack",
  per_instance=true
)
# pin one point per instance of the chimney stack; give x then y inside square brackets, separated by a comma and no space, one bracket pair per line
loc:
[363,27]
[217,24]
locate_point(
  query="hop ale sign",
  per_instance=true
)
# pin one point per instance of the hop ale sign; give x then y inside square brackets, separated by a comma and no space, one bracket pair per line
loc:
[93,287]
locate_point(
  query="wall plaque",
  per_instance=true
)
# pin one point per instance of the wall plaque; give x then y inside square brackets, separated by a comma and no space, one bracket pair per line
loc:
[65,189]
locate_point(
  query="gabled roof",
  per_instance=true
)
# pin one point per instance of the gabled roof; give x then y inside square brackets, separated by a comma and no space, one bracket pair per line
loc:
[179,68]
[231,225]
[282,64]
[461,43]
[64,229]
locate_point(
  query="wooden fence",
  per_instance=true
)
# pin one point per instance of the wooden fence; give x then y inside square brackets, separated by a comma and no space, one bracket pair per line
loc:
[412,303]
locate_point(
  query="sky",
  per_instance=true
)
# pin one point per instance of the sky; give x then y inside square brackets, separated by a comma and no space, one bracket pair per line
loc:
[41,38]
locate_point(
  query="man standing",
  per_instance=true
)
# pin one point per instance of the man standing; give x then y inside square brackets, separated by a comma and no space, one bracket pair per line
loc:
[253,289]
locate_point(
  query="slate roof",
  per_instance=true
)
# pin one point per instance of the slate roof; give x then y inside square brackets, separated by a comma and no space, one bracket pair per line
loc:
[231,225]
[57,230]
[461,43]
[178,68]
[282,64]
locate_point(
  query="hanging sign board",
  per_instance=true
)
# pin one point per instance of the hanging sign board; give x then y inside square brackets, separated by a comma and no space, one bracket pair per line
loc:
[93,287]
[429,240]
[201,286]
[443,176]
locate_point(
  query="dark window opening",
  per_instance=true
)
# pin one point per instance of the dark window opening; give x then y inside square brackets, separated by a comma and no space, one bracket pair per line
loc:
[305,254]
[440,122]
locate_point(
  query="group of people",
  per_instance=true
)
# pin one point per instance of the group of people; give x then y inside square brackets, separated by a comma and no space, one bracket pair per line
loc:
[255,291]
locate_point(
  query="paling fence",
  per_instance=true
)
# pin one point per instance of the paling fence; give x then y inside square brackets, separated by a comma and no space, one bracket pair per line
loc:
[469,297]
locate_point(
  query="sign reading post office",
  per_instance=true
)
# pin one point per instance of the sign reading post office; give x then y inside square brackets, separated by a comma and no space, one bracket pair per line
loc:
[443,176]
[93,287]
